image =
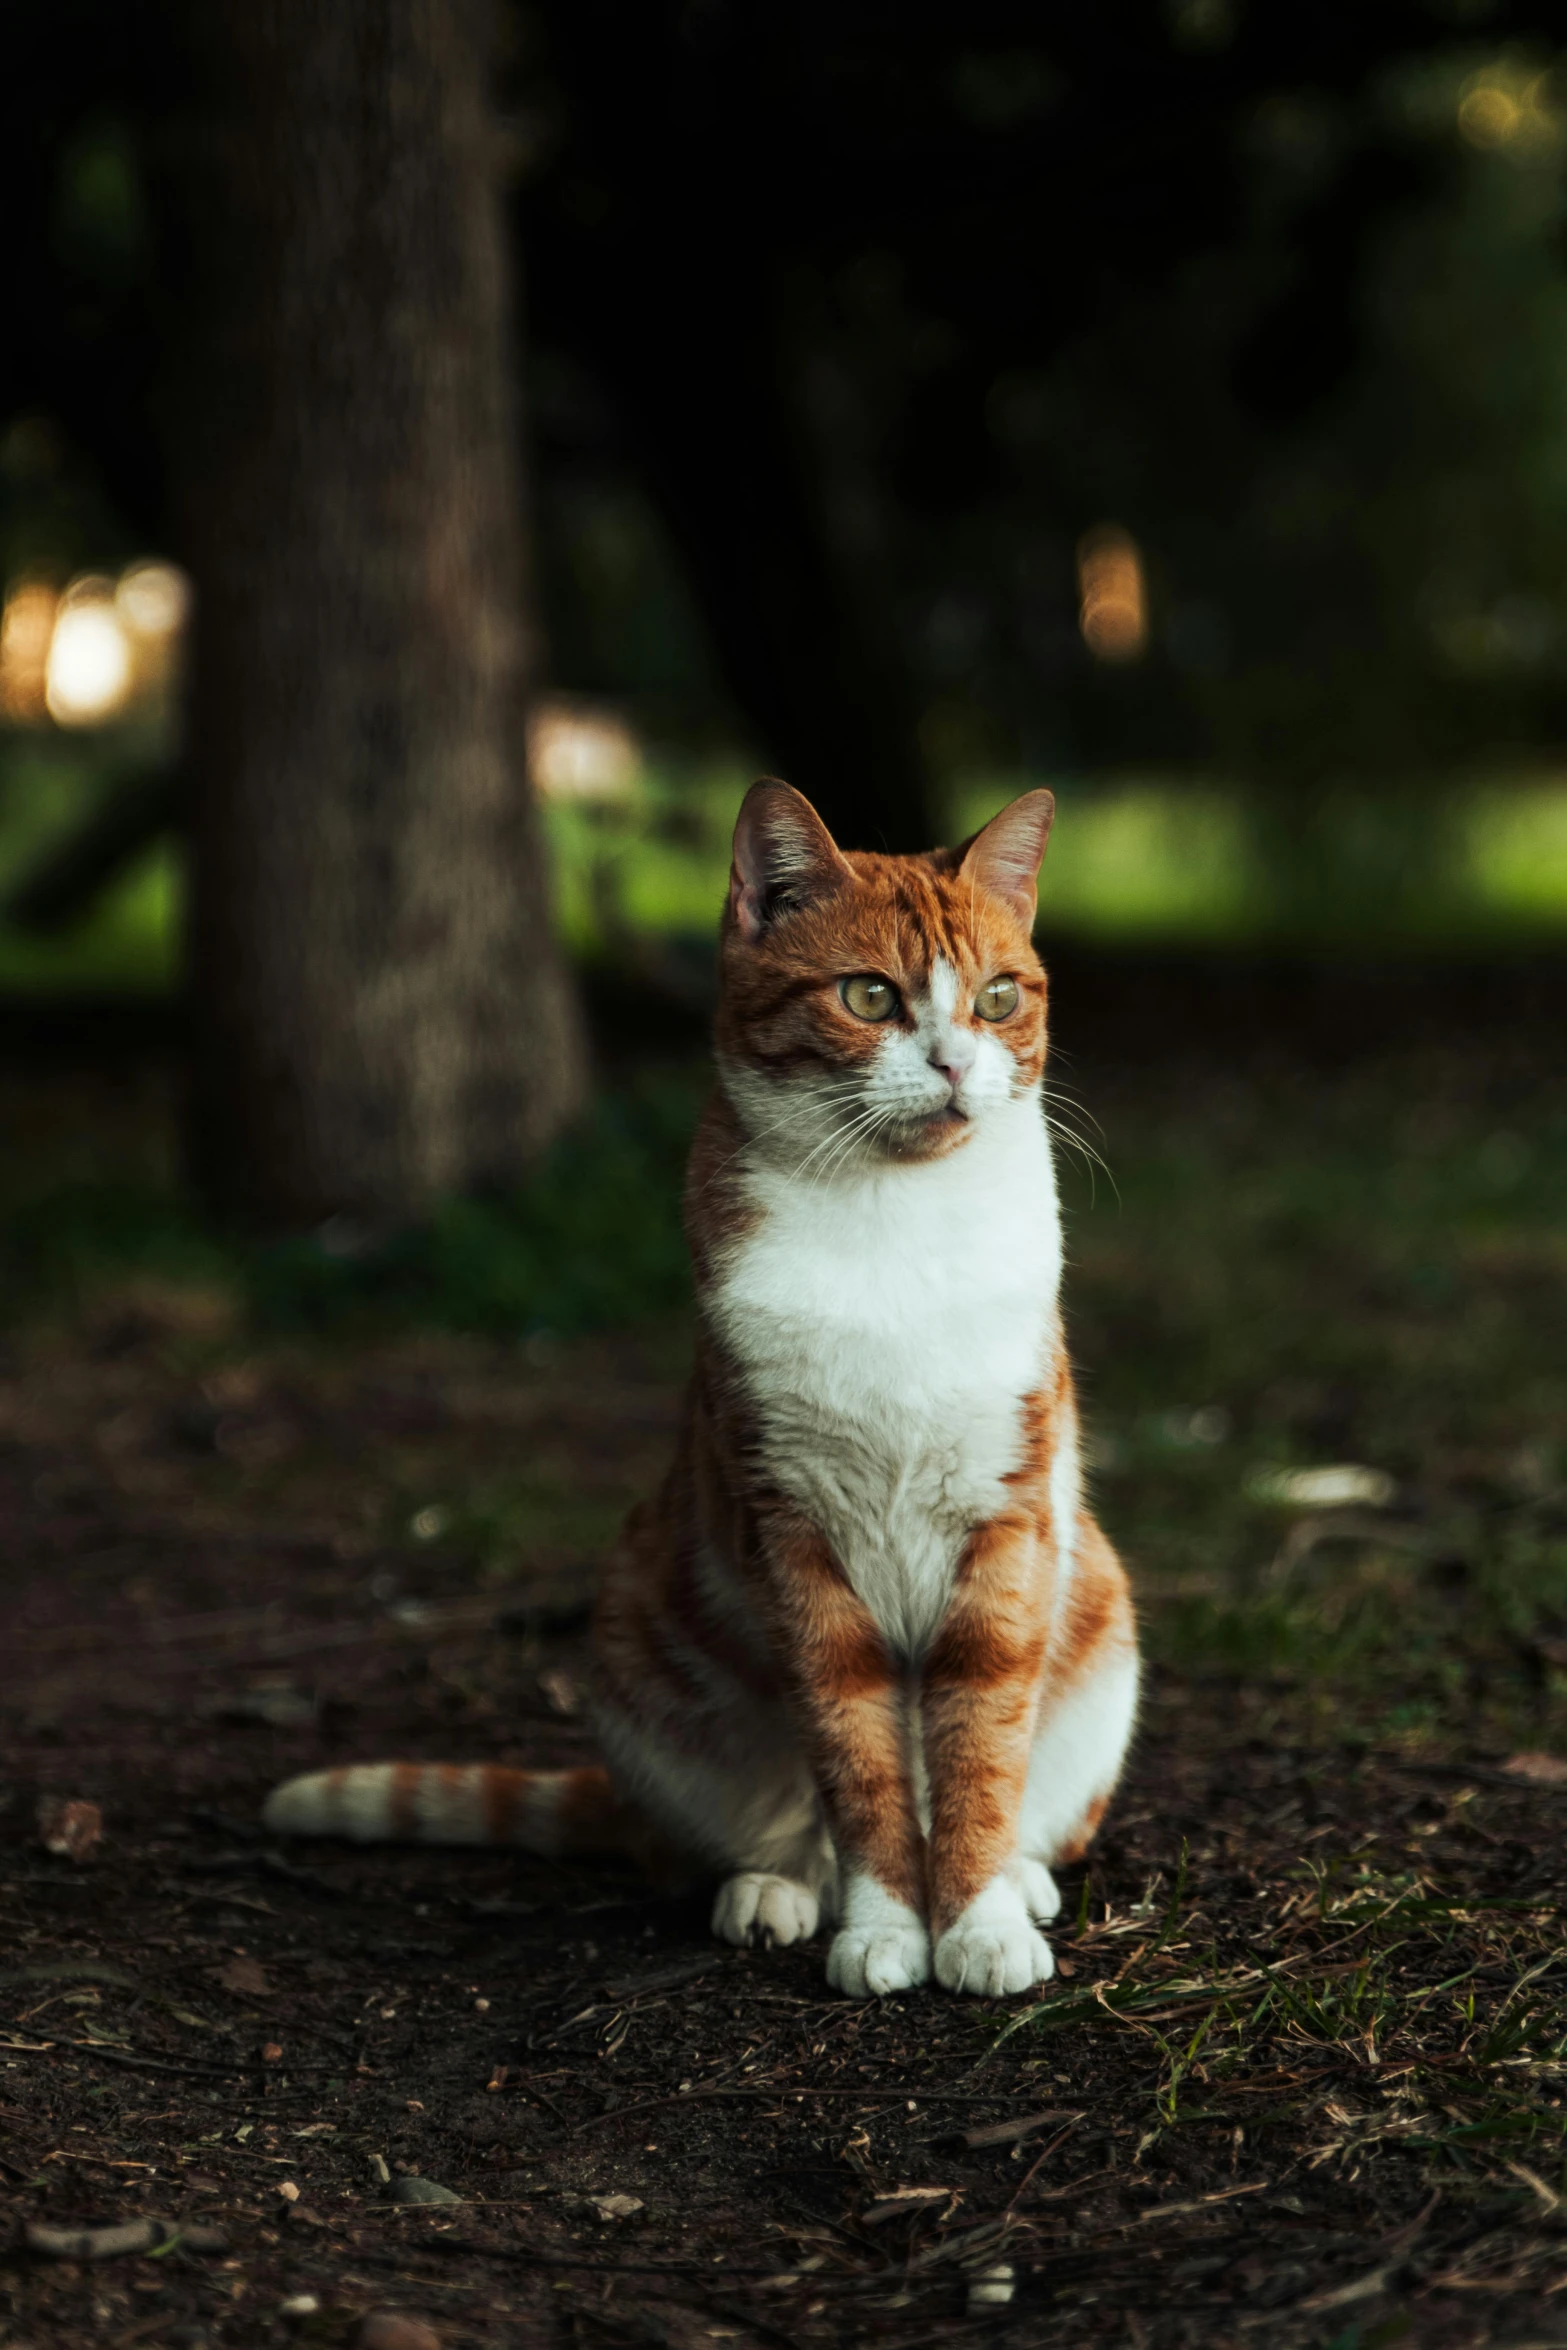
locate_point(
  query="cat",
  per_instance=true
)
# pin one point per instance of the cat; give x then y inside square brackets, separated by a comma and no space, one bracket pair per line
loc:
[866,1654]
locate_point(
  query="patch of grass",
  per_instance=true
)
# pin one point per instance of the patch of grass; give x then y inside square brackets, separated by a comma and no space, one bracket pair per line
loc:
[501,1519]
[592,1239]
[1300,1271]
[63,1240]
[1376,2016]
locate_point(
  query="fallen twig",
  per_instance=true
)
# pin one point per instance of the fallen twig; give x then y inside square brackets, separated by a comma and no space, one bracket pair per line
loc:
[1008,2132]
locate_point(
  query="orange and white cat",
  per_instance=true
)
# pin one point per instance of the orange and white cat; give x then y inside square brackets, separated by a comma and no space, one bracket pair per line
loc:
[866,1654]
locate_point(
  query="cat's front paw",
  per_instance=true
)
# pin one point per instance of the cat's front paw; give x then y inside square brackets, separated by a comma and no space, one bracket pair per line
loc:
[1041,1896]
[993,1950]
[866,1962]
[756,1906]
[881,1946]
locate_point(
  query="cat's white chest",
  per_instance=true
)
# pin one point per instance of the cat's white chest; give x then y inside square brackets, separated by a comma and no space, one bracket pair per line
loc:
[889,1326]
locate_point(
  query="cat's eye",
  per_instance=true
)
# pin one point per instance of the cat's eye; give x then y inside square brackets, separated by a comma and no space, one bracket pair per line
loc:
[869,998]
[996,999]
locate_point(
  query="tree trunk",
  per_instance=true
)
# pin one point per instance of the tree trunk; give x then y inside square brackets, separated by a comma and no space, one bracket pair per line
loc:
[381,1012]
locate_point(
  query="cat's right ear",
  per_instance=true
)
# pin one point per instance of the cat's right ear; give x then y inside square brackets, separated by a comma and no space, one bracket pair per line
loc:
[784,856]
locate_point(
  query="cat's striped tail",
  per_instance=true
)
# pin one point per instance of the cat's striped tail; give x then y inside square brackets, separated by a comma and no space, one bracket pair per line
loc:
[551,1812]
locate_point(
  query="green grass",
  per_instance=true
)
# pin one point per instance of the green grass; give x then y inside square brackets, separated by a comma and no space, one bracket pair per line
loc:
[1439,2024]
[593,1239]
[1368,1268]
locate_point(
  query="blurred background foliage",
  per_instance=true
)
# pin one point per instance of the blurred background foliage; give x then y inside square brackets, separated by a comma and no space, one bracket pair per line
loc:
[1181,409]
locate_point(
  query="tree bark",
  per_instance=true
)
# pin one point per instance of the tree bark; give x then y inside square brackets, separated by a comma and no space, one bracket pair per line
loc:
[381,1013]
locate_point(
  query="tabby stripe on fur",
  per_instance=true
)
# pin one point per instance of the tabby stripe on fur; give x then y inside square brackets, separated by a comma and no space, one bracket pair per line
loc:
[548,1812]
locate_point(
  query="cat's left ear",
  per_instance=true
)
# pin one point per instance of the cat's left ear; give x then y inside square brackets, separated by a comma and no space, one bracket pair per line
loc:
[1006,856]
[784,856]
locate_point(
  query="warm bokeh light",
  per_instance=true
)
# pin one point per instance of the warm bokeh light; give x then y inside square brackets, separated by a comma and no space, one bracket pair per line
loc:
[1113,613]
[104,648]
[576,752]
[90,670]
[26,627]
[153,599]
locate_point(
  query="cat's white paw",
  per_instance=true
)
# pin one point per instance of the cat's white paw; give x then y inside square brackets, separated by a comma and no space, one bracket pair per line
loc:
[759,1907]
[1040,1894]
[881,1946]
[994,1949]
[866,1962]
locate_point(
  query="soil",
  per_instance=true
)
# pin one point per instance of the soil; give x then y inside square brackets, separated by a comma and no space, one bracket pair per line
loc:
[1299,2083]
[654,2139]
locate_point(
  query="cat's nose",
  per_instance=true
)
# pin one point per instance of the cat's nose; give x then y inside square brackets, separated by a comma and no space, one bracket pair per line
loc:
[954,1057]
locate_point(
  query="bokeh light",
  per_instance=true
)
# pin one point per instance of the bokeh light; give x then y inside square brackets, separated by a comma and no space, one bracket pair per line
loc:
[26,626]
[1113,611]
[578,752]
[90,670]
[153,599]
[1507,107]
[105,649]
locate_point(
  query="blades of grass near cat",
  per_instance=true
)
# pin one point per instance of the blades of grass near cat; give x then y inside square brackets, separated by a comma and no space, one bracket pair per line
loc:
[1174,1909]
[1436,2037]
[1122,2003]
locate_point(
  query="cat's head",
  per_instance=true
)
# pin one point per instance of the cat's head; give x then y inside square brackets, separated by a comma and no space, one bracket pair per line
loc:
[878,1007]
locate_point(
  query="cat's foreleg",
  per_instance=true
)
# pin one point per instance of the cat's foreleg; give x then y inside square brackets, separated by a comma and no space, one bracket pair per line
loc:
[848,1700]
[979,1702]
[1090,1701]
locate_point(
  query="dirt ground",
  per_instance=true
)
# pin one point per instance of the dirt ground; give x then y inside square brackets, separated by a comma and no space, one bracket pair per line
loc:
[1300,2081]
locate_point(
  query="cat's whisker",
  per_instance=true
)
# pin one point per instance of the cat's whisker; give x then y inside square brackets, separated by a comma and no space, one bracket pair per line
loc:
[848,1088]
[857,1128]
[1085,1150]
[864,1132]
[1059,1093]
[873,1120]
[1065,1117]
[827,1141]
